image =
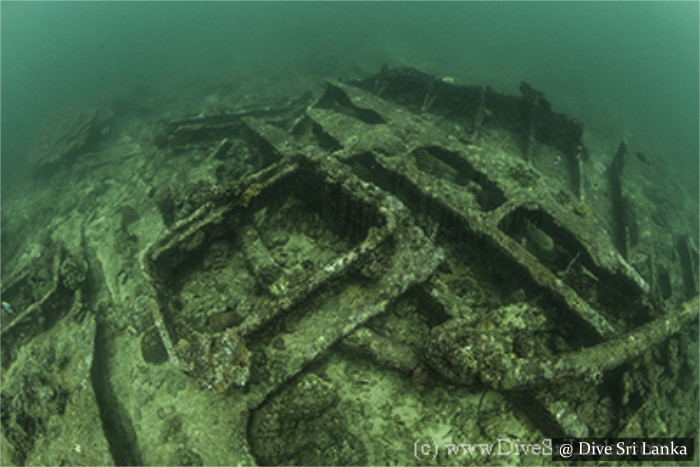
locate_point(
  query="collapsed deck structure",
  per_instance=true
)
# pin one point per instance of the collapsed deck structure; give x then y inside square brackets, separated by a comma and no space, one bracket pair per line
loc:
[451,234]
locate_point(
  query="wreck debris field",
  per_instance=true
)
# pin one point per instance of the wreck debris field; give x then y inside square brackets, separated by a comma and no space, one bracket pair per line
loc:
[376,265]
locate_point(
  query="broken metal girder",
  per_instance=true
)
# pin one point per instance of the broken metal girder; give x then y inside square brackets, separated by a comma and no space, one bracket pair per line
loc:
[32,314]
[385,352]
[202,128]
[467,354]
[621,208]
[478,107]
[689,260]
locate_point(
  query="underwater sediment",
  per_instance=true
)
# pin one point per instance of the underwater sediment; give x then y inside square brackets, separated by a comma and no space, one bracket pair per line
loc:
[334,276]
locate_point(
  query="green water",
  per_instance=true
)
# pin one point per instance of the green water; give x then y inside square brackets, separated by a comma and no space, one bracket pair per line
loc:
[624,68]
[627,70]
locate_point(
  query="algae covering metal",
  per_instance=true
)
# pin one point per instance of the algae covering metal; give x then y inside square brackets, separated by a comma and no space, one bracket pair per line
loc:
[341,277]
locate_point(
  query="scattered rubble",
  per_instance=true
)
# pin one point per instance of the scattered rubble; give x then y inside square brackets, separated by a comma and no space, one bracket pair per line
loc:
[311,282]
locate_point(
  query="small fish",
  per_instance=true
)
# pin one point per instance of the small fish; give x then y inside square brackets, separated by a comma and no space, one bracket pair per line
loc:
[643,158]
[6,306]
[557,160]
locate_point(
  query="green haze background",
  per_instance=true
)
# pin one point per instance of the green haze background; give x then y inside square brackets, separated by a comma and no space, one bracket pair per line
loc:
[623,68]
